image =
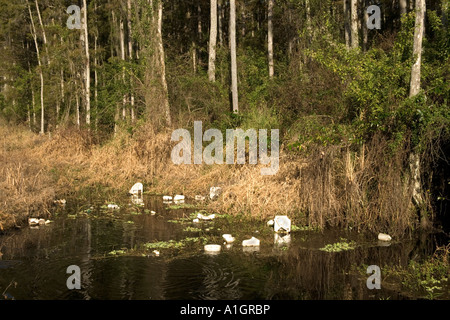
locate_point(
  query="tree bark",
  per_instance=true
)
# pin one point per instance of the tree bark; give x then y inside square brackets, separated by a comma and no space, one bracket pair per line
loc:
[44,36]
[130,57]
[270,37]
[347,31]
[163,66]
[212,42]
[417,48]
[87,73]
[354,24]
[41,75]
[232,32]
[403,5]
[414,159]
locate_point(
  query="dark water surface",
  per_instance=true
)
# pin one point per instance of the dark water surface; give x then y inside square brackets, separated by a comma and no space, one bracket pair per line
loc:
[33,263]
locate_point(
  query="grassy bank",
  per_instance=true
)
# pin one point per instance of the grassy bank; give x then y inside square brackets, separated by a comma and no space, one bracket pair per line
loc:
[364,189]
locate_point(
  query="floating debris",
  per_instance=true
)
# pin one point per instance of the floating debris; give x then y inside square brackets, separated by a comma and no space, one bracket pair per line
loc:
[167,198]
[196,220]
[270,223]
[33,222]
[156,253]
[212,248]
[384,237]
[214,192]
[228,238]
[113,206]
[61,202]
[137,189]
[282,224]
[178,197]
[282,240]
[252,242]
[206,218]
[137,201]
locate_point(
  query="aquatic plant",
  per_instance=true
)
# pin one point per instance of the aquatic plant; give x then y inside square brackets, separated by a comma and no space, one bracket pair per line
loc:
[339,246]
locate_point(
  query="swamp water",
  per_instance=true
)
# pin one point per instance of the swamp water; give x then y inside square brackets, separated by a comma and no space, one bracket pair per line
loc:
[115,252]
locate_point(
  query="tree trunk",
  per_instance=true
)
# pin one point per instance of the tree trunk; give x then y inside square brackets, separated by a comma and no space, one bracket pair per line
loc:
[232,32]
[41,75]
[130,56]
[270,37]
[365,17]
[347,31]
[417,48]
[122,57]
[414,90]
[219,21]
[212,42]
[88,67]
[44,36]
[163,66]
[354,24]
[403,5]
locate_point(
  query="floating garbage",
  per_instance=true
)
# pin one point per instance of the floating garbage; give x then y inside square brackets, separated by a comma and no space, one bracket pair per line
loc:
[282,223]
[137,189]
[178,197]
[384,237]
[152,212]
[206,218]
[137,201]
[167,198]
[33,222]
[196,220]
[156,253]
[113,206]
[252,242]
[228,238]
[61,202]
[214,192]
[212,248]
[282,240]
[270,223]
[200,198]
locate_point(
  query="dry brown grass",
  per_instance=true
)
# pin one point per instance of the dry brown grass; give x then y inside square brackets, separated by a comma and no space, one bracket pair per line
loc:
[333,186]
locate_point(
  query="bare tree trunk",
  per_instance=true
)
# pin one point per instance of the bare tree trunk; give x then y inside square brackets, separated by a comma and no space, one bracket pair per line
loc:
[308,21]
[163,66]
[219,20]
[270,37]
[122,56]
[41,75]
[130,56]
[88,67]
[347,31]
[414,90]
[44,36]
[212,42]
[354,23]
[403,5]
[417,48]
[232,32]
[365,17]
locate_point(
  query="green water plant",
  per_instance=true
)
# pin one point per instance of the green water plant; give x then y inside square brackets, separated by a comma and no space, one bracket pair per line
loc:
[344,245]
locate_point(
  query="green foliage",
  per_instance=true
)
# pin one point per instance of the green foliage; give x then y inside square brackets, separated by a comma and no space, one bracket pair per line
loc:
[344,245]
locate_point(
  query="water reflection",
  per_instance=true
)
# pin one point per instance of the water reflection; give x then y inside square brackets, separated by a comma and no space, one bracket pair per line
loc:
[285,266]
